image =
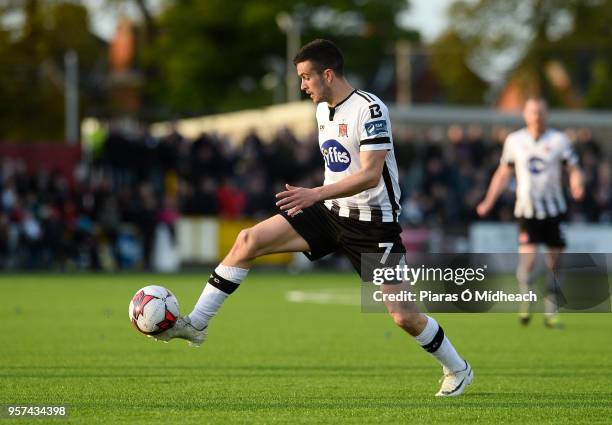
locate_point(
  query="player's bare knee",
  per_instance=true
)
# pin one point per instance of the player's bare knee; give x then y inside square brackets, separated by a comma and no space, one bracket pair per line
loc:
[410,322]
[245,244]
[525,268]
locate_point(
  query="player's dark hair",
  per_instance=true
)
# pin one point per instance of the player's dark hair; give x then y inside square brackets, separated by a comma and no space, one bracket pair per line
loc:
[323,54]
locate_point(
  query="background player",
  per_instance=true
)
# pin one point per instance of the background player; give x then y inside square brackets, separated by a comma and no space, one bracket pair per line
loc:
[537,154]
[354,212]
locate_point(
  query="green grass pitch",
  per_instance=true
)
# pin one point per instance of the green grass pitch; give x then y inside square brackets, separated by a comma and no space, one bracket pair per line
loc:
[67,340]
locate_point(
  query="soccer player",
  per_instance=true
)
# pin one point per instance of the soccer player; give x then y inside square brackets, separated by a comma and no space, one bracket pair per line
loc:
[354,212]
[537,155]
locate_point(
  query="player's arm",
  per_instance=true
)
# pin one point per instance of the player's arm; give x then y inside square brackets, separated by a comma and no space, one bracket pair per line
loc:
[570,159]
[499,182]
[296,198]
[576,182]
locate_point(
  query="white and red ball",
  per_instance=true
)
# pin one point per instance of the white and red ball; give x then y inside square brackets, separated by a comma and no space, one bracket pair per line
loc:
[153,310]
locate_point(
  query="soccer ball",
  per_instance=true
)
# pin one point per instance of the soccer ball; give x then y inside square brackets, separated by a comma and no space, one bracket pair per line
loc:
[153,310]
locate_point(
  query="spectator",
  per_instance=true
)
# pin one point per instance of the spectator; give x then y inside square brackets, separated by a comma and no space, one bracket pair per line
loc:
[47,220]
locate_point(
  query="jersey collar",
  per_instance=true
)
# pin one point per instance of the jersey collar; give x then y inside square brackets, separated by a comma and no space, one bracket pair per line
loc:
[542,135]
[332,109]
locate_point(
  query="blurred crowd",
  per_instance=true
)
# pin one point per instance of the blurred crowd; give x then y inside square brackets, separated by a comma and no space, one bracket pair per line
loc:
[445,174]
[109,214]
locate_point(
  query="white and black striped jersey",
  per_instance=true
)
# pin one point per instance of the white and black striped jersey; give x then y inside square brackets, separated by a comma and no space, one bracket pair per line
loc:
[359,123]
[538,165]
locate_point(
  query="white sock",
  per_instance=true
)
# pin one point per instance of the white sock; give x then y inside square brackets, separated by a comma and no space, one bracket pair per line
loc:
[433,340]
[233,274]
[221,283]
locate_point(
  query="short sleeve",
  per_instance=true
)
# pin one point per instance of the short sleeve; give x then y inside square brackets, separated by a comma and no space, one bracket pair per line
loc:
[568,153]
[507,156]
[374,127]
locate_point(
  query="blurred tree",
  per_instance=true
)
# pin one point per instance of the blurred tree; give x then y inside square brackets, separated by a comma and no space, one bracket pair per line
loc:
[559,48]
[213,55]
[32,48]
[588,50]
[461,84]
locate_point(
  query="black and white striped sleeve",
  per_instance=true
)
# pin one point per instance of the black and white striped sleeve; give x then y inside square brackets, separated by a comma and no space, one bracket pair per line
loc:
[374,127]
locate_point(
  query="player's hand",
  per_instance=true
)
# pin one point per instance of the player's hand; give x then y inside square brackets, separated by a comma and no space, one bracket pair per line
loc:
[577,191]
[294,199]
[483,208]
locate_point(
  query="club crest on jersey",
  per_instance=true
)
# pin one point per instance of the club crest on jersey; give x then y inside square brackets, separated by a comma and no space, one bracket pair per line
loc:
[536,165]
[336,157]
[376,127]
[342,130]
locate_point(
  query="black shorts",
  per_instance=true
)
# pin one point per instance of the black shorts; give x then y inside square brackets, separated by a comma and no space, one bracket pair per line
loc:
[545,231]
[327,232]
